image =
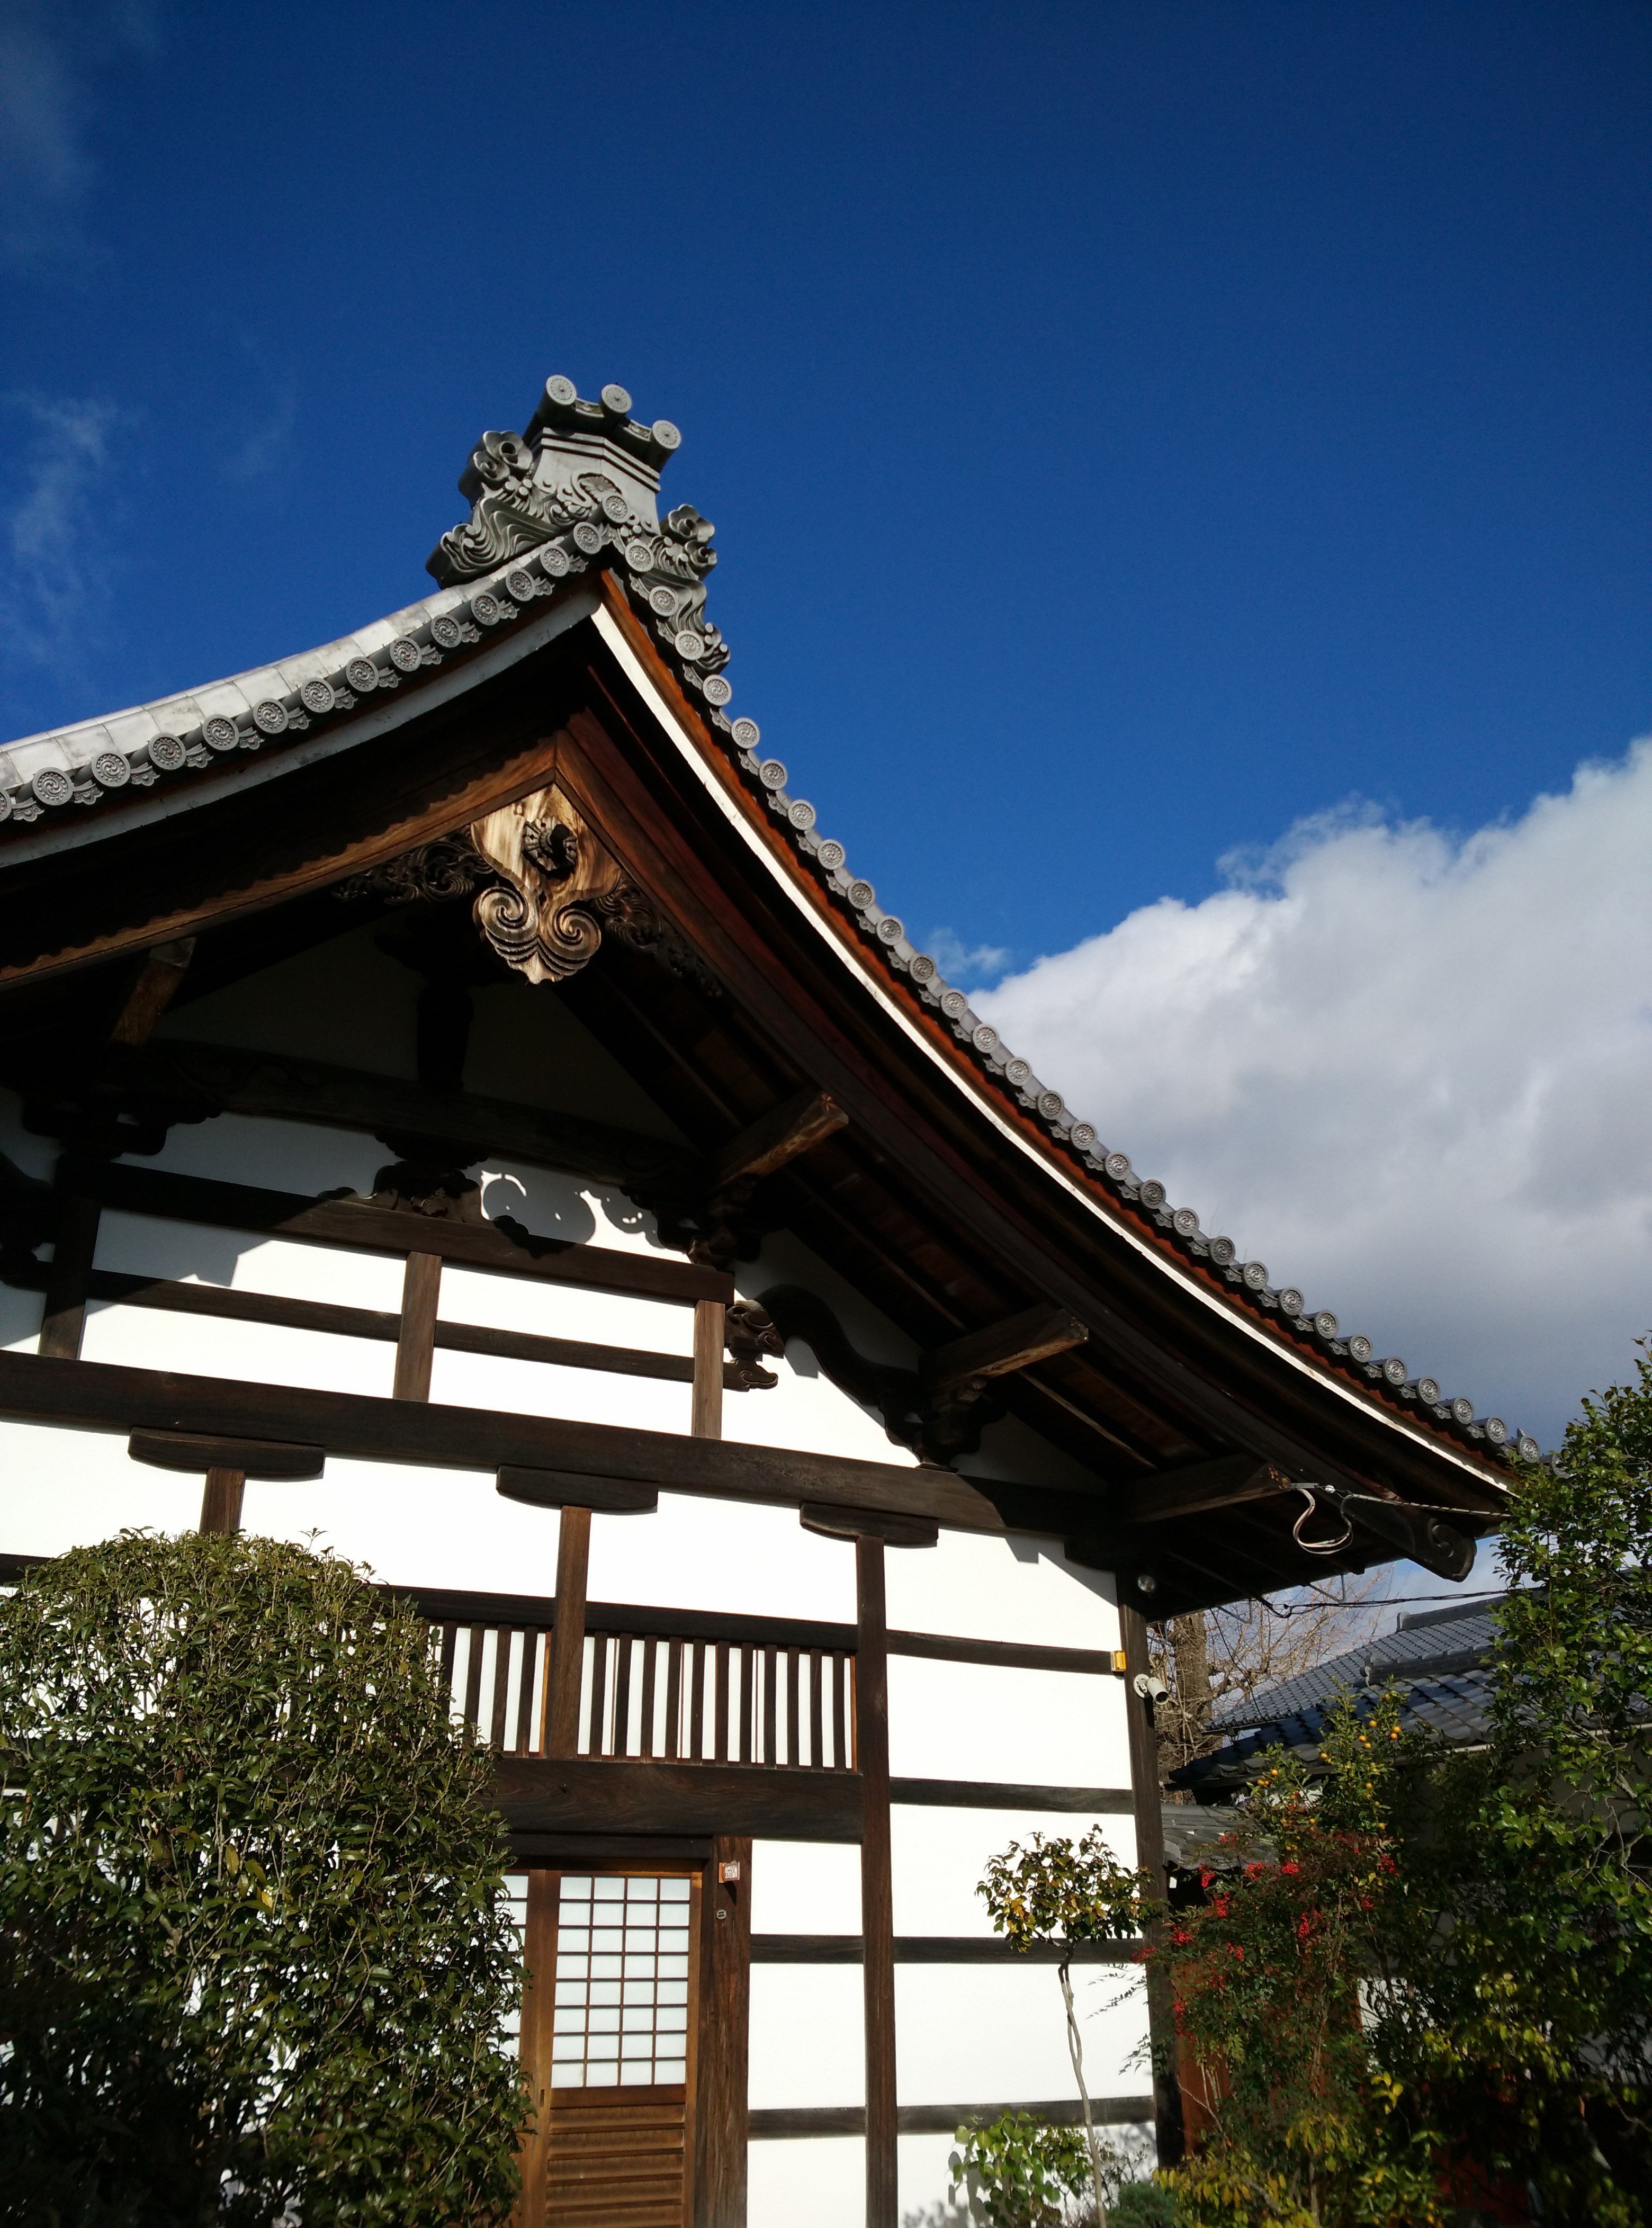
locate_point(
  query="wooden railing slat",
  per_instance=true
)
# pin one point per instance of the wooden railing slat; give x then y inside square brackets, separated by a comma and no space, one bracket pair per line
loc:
[473,1680]
[673,1696]
[525,1742]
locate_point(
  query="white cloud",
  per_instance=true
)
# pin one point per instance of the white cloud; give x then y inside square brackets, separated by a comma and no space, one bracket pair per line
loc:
[1413,1075]
[966,964]
[46,169]
[55,565]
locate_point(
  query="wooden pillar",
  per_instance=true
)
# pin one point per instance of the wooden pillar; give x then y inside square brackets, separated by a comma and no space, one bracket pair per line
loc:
[221,1504]
[1150,1856]
[877,1886]
[421,1292]
[565,1667]
[721,2054]
[538,2019]
[63,1320]
[706,1416]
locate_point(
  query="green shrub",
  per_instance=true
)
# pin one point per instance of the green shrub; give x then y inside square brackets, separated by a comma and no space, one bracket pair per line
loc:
[252,1955]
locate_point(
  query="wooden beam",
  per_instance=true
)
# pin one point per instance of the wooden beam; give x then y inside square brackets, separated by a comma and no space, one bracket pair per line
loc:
[1149,1859]
[201,1451]
[166,1297]
[68,1278]
[776,2122]
[355,1223]
[1200,1486]
[421,1292]
[565,1661]
[1012,1795]
[777,1137]
[221,1500]
[101,1396]
[1003,1347]
[157,983]
[706,1406]
[242,1080]
[938,1949]
[877,1885]
[601,1795]
[722,2042]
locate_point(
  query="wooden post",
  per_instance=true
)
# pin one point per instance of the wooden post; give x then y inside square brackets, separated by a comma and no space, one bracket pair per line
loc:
[724,2020]
[421,1292]
[221,1504]
[63,1321]
[1150,1857]
[564,1669]
[538,2019]
[706,1417]
[877,1886]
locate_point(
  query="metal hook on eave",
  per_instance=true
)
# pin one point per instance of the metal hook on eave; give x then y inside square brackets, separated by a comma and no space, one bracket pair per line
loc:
[1310,1494]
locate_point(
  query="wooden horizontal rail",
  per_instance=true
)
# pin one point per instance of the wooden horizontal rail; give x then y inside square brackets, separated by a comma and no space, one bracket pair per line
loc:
[773,2123]
[452,1605]
[937,1950]
[502,1246]
[100,1396]
[168,1297]
[1011,1795]
[598,1795]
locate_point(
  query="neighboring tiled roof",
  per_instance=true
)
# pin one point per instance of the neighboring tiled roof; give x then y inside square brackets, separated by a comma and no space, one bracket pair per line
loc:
[541,512]
[1455,1709]
[1459,1642]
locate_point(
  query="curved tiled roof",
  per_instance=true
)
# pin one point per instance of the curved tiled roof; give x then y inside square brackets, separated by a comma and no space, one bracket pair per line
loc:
[529,532]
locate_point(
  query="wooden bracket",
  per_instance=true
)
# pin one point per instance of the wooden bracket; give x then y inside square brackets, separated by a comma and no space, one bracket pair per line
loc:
[1200,1486]
[157,985]
[560,1488]
[777,1137]
[200,1452]
[1003,1347]
[834,1521]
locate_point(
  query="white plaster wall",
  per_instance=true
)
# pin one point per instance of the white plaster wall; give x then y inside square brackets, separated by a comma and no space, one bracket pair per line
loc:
[966,2034]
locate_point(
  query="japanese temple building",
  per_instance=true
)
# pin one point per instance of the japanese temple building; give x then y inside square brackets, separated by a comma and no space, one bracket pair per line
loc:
[460,1102]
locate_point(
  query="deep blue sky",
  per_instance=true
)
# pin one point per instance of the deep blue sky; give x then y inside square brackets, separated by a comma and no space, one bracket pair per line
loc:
[1128,427]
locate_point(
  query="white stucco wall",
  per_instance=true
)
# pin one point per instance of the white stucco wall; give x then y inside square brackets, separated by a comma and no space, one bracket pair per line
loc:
[966,2034]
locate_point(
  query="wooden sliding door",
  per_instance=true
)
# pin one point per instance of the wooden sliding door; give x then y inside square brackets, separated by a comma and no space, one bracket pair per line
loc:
[608,2045]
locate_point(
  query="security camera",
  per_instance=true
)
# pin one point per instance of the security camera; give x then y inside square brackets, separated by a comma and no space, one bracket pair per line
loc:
[1151,1689]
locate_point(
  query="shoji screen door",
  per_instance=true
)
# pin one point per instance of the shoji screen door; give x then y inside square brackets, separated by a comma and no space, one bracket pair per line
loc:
[607,2043]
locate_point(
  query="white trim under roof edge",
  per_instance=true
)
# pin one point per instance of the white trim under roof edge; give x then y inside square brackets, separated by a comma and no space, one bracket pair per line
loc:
[671,726]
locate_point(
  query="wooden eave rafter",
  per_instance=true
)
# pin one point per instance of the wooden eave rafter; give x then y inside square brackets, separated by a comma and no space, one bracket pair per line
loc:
[942,1197]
